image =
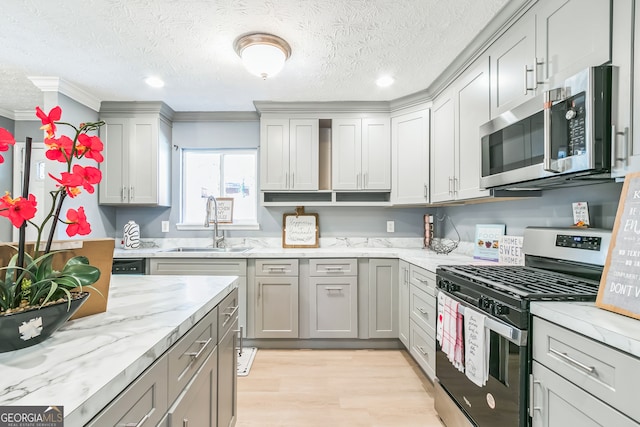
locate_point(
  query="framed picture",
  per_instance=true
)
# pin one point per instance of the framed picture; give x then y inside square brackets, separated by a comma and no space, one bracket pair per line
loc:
[225,210]
[300,230]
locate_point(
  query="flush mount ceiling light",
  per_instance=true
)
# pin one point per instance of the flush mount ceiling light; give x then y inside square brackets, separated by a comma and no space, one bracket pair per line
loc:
[262,54]
[154,81]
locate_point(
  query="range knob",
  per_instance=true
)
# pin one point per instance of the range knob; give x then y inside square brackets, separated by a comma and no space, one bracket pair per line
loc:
[452,287]
[570,114]
[499,309]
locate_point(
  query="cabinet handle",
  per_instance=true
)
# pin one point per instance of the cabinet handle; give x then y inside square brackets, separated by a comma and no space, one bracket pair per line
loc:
[229,315]
[333,268]
[532,407]
[422,350]
[124,193]
[426,191]
[572,361]
[333,288]
[534,71]
[422,311]
[140,423]
[625,144]
[239,348]
[131,193]
[450,185]
[185,422]
[204,345]
[456,185]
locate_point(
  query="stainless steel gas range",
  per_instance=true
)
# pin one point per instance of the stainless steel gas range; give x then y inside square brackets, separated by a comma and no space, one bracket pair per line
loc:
[562,264]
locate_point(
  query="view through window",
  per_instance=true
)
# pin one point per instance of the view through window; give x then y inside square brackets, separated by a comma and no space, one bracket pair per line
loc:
[221,173]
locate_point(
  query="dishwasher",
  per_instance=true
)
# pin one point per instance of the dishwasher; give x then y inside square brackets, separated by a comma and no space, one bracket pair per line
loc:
[129,266]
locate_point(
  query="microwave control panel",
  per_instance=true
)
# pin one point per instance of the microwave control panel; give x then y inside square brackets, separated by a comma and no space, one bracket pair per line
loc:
[590,243]
[575,117]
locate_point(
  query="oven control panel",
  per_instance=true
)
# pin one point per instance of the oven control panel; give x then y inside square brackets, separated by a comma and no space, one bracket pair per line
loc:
[591,243]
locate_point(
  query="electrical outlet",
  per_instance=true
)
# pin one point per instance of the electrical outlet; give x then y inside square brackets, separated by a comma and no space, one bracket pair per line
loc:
[390,226]
[165,226]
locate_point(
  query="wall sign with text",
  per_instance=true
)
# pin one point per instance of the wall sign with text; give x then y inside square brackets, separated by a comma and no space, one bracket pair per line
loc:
[620,283]
[300,230]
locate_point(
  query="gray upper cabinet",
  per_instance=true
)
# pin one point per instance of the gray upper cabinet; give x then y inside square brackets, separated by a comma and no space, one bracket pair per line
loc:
[513,66]
[563,49]
[361,154]
[442,147]
[137,155]
[626,117]
[289,154]
[410,158]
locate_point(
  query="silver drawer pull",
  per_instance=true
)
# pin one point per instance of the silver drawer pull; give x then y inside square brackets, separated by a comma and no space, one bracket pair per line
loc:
[276,268]
[140,423]
[571,360]
[333,288]
[422,350]
[421,310]
[239,348]
[204,344]
[333,268]
[229,315]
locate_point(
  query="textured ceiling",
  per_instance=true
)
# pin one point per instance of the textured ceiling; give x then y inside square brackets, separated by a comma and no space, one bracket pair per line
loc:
[340,47]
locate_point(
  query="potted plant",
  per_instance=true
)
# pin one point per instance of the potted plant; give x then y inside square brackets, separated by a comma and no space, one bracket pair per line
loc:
[35,298]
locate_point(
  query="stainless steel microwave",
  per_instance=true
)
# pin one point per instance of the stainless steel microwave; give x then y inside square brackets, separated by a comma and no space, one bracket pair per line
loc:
[561,137]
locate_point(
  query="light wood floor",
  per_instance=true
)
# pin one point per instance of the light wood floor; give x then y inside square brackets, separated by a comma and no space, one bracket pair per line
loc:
[307,388]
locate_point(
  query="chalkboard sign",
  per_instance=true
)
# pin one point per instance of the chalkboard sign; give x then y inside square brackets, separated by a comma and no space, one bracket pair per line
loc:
[300,230]
[620,285]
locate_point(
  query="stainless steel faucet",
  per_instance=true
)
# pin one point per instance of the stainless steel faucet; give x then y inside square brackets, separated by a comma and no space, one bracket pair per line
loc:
[211,200]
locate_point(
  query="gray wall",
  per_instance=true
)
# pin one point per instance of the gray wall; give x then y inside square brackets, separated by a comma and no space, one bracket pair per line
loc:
[6,173]
[552,209]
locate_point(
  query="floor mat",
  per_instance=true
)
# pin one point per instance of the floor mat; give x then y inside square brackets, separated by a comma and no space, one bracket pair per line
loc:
[245,360]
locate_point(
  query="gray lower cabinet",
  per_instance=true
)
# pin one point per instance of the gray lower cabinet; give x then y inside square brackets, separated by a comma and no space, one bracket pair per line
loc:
[197,404]
[209,267]
[422,315]
[275,298]
[333,298]
[383,298]
[580,381]
[192,384]
[403,303]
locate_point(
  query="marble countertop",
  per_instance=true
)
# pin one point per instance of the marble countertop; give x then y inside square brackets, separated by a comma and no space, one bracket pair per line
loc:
[89,361]
[618,331]
[424,258]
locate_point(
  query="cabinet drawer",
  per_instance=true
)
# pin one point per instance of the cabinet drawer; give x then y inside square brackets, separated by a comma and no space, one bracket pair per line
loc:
[227,312]
[610,375]
[192,266]
[333,267]
[144,401]
[423,279]
[422,308]
[423,349]
[276,267]
[187,355]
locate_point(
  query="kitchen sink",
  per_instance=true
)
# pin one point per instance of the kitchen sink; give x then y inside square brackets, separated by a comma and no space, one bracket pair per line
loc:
[188,249]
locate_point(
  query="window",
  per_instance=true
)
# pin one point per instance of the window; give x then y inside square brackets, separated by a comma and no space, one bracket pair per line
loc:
[221,173]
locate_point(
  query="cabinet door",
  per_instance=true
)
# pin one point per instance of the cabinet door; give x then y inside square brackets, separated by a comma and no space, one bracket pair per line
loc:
[143,161]
[346,154]
[403,299]
[625,154]
[197,405]
[558,402]
[472,110]
[276,312]
[274,154]
[227,378]
[376,154]
[304,154]
[410,158]
[333,307]
[113,189]
[383,298]
[442,148]
[564,49]
[513,66]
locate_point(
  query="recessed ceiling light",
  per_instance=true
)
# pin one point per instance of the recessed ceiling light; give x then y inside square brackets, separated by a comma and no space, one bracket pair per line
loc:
[385,81]
[154,81]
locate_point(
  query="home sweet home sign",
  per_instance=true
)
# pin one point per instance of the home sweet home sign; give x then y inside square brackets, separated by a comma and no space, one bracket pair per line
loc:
[620,283]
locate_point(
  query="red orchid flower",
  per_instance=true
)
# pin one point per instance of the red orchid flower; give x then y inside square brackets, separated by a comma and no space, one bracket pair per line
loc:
[6,139]
[90,147]
[70,182]
[48,120]
[60,149]
[77,221]
[89,175]
[18,210]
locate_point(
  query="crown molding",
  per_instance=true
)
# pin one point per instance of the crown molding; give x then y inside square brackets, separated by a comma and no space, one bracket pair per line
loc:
[56,84]
[216,116]
[322,107]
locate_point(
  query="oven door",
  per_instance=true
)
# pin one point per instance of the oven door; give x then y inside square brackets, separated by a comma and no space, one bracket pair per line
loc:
[502,401]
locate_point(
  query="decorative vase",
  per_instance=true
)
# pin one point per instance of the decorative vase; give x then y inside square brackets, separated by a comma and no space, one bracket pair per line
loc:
[131,235]
[30,327]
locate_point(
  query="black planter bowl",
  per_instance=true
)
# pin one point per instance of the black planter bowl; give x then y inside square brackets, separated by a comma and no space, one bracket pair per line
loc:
[31,327]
